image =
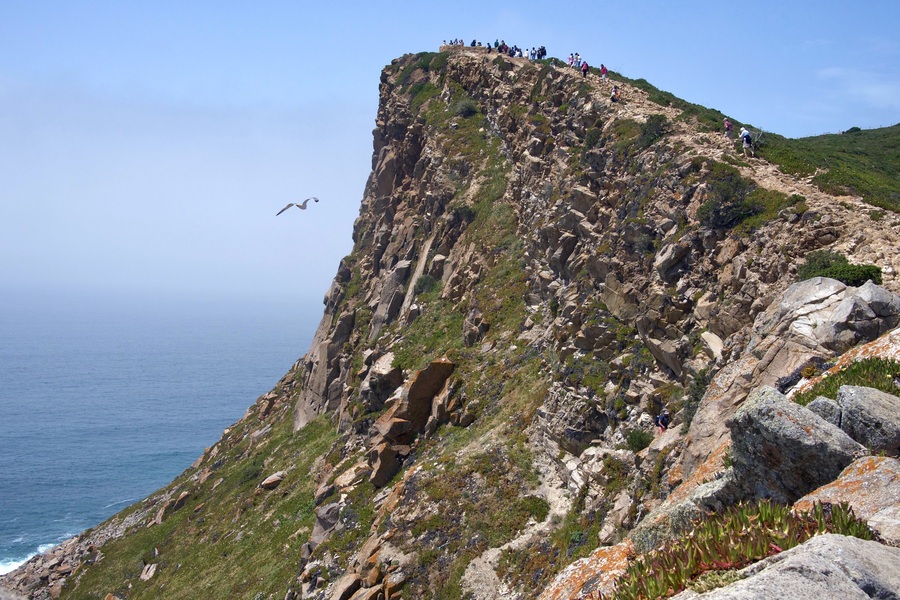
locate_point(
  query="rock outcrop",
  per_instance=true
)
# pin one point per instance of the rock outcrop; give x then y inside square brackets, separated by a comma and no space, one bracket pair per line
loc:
[531,283]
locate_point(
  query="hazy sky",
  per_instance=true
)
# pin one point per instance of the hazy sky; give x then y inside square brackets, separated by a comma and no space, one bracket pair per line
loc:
[145,147]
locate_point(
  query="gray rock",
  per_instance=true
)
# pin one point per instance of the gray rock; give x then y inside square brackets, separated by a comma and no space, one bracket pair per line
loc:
[886,523]
[826,408]
[871,417]
[571,420]
[327,517]
[871,486]
[824,568]
[781,450]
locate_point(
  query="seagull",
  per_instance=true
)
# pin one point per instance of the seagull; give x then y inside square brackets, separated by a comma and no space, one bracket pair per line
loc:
[301,205]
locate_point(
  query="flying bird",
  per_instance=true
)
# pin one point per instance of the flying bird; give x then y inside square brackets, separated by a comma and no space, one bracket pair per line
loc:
[300,205]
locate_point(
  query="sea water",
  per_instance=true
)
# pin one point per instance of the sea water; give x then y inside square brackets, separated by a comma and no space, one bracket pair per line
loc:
[101,403]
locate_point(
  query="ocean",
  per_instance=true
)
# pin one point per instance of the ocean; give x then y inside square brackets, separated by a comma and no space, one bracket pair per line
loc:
[103,402]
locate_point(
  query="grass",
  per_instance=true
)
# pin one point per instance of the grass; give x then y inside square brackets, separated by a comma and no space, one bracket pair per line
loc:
[864,162]
[878,373]
[235,528]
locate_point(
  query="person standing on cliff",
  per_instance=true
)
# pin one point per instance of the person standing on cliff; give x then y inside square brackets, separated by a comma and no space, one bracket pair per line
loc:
[729,129]
[747,142]
[584,69]
[603,72]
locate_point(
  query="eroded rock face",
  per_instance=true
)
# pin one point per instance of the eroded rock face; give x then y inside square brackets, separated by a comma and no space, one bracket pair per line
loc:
[811,320]
[409,412]
[573,421]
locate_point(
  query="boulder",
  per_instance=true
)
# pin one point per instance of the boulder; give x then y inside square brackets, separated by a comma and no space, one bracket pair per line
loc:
[825,567]
[380,382]
[804,324]
[385,461]
[826,408]
[272,481]
[871,417]
[148,572]
[345,587]
[327,517]
[782,450]
[571,420]
[871,486]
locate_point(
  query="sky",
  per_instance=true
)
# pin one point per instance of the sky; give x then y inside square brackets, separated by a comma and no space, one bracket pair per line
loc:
[145,147]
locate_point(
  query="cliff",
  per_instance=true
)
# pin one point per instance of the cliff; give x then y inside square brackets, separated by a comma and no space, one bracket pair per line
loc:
[537,273]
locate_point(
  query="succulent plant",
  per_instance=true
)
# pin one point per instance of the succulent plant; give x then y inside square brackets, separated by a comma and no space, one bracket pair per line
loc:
[741,535]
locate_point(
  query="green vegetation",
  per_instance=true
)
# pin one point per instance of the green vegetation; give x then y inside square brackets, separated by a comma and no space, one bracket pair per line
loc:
[227,524]
[694,393]
[728,202]
[736,202]
[652,129]
[721,543]
[474,503]
[878,373]
[421,92]
[638,439]
[828,263]
[860,162]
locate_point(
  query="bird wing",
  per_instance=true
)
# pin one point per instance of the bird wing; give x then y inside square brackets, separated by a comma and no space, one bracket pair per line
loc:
[290,204]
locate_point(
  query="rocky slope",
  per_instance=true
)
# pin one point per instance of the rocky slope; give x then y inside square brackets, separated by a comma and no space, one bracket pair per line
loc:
[536,273]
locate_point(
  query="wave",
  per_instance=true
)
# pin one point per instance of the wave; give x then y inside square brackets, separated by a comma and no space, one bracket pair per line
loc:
[120,502]
[7,565]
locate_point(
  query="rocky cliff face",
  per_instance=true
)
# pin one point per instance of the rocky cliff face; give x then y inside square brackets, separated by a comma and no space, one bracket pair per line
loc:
[537,272]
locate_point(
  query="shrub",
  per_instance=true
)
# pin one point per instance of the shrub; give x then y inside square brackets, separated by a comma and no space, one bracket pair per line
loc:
[465,108]
[638,439]
[425,283]
[828,263]
[818,261]
[592,138]
[728,202]
[652,129]
[853,275]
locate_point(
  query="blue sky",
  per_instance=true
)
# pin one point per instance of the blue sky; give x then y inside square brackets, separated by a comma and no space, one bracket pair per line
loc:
[146,147]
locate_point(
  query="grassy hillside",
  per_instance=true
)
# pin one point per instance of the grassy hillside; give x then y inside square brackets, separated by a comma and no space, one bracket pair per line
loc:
[861,162]
[864,162]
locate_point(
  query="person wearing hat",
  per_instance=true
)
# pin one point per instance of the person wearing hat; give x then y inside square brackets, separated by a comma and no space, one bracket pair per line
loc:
[747,140]
[663,419]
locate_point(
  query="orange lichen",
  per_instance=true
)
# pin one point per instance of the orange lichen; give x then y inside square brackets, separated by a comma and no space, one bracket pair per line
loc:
[601,568]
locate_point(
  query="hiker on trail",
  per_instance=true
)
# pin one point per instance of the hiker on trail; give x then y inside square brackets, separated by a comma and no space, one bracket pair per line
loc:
[577,61]
[615,94]
[662,420]
[747,140]
[584,69]
[603,72]
[571,59]
[729,129]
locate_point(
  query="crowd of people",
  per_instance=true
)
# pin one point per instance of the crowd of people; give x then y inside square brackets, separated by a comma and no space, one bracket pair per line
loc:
[500,46]
[576,61]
